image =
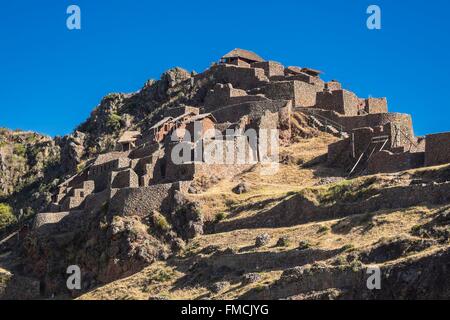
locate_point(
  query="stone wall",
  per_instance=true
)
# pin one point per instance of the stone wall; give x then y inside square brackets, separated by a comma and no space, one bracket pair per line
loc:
[179,111]
[95,201]
[303,77]
[386,161]
[376,105]
[109,157]
[401,121]
[219,158]
[142,201]
[144,151]
[101,173]
[271,68]
[437,149]
[339,153]
[333,85]
[59,222]
[239,77]
[254,110]
[224,95]
[341,101]
[124,179]
[301,93]
[48,218]
[360,141]
[109,166]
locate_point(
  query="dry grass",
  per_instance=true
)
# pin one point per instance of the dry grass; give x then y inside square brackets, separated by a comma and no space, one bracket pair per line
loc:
[351,233]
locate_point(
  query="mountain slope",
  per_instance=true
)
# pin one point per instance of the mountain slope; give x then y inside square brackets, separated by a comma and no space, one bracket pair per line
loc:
[309,257]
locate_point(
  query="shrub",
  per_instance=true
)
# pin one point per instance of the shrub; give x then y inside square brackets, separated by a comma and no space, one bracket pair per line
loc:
[304,244]
[220,216]
[161,222]
[7,217]
[81,166]
[283,241]
[113,122]
[348,191]
[162,275]
[348,248]
[19,150]
[323,229]
[262,240]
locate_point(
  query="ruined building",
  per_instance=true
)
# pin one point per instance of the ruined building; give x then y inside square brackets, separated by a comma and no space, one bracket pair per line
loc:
[247,92]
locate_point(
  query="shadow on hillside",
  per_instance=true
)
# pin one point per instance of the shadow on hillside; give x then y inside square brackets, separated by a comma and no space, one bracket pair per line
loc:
[320,169]
[259,205]
[292,210]
[221,266]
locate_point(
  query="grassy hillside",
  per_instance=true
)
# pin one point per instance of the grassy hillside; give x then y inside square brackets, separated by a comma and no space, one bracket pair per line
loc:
[327,254]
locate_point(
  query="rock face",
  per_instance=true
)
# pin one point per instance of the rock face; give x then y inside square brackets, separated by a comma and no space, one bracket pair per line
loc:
[175,76]
[72,151]
[23,158]
[242,187]
[28,166]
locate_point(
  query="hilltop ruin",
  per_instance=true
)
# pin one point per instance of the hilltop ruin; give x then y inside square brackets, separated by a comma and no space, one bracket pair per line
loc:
[249,92]
[111,197]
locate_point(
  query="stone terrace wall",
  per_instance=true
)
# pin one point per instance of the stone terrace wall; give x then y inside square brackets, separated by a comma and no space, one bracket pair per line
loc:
[110,156]
[386,161]
[142,201]
[339,153]
[95,201]
[49,223]
[48,218]
[437,149]
[254,110]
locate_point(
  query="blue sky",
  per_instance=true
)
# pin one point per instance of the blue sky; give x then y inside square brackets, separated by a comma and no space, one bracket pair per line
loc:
[51,78]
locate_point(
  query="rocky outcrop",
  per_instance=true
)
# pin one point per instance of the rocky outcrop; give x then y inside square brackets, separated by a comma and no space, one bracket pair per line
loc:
[72,151]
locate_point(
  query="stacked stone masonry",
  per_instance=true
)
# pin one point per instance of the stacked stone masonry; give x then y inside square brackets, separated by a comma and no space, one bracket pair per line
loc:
[247,93]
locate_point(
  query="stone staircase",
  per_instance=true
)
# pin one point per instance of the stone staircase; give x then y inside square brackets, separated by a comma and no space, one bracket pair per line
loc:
[325,124]
[72,198]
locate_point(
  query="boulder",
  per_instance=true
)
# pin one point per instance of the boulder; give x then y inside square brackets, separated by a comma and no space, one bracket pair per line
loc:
[262,240]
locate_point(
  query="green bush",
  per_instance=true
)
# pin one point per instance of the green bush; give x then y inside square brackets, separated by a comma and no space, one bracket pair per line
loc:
[19,150]
[81,166]
[7,217]
[348,191]
[323,229]
[348,248]
[304,244]
[220,216]
[114,121]
[161,222]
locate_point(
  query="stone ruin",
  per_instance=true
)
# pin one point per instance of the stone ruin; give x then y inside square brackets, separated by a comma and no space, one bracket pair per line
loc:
[249,93]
